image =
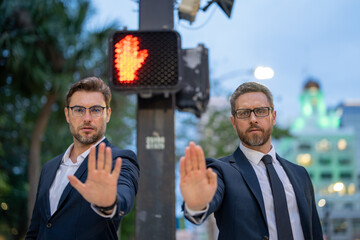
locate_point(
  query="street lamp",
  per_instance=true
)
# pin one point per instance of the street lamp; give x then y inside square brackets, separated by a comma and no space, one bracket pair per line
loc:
[263,73]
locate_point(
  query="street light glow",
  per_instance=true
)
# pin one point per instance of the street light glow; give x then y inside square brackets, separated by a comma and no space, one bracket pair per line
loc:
[338,187]
[263,73]
[322,202]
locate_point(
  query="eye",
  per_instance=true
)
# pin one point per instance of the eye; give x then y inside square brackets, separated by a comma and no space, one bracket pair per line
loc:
[96,109]
[261,110]
[243,113]
[78,109]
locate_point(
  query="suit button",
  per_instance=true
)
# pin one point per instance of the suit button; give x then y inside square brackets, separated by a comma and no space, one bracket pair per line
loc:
[48,225]
[265,238]
[121,213]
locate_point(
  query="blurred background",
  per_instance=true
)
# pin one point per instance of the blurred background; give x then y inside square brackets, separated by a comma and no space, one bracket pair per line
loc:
[312,48]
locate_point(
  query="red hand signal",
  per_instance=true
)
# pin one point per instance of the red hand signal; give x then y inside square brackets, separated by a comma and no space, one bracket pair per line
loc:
[128,58]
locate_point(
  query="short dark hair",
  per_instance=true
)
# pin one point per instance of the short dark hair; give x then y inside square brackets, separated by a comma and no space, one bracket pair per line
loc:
[90,84]
[249,87]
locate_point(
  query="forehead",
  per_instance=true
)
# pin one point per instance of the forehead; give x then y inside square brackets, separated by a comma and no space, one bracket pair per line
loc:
[87,99]
[252,100]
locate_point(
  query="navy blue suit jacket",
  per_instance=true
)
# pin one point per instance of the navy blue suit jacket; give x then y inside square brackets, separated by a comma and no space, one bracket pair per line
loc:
[238,204]
[74,218]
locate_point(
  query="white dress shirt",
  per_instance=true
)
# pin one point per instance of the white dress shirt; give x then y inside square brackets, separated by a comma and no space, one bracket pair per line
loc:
[254,158]
[66,168]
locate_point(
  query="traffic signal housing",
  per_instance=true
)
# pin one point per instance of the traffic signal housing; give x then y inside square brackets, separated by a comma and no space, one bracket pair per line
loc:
[145,62]
[195,88]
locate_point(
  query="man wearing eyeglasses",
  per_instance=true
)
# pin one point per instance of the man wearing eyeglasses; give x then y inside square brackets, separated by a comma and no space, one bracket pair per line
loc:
[254,193]
[84,192]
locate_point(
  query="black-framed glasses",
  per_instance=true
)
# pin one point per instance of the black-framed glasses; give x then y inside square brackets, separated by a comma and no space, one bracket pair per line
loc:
[79,111]
[242,113]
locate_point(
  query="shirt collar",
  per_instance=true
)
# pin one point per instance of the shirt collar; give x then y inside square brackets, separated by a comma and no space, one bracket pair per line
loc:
[255,156]
[66,158]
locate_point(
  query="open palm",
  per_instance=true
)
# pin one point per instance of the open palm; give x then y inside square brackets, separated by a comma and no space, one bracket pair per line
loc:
[100,187]
[197,184]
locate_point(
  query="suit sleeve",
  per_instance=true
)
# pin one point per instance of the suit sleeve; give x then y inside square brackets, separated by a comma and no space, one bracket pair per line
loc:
[316,225]
[127,182]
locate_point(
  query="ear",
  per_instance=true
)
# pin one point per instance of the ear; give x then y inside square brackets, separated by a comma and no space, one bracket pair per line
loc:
[274,117]
[66,111]
[233,121]
[108,114]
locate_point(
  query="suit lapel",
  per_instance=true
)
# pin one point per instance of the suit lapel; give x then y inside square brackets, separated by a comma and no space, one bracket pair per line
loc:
[242,164]
[304,209]
[48,178]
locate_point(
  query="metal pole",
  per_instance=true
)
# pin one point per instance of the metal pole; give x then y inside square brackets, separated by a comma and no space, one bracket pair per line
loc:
[155,202]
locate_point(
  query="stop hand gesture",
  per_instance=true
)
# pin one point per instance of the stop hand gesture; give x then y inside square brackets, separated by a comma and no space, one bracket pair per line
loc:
[197,184]
[100,187]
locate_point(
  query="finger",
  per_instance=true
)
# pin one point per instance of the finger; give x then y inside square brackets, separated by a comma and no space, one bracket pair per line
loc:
[117,168]
[212,176]
[188,165]
[108,160]
[194,156]
[92,160]
[182,168]
[101,156]
[77,184]
[200,158]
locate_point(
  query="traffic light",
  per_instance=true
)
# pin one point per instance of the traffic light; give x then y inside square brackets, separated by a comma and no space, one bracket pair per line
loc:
[195,88]
[145,62]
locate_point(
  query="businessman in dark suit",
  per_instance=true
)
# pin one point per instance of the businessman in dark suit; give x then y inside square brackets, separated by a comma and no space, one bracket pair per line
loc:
[81,193]
[254,193]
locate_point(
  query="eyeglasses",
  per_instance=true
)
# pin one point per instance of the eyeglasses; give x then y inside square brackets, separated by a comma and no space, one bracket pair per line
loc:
[245,113]
[79,111]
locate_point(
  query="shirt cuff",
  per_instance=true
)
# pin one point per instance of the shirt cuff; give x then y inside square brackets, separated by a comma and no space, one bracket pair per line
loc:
[197,217]
[102,214]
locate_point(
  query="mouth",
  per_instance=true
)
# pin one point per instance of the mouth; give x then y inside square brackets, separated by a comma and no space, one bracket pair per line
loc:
[254,130]
[87,129]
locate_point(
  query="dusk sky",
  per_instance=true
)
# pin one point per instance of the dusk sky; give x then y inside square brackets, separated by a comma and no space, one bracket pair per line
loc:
[298,39]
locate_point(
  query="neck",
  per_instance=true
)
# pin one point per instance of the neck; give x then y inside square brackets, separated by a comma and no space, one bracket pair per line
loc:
[265,148]
[77,150]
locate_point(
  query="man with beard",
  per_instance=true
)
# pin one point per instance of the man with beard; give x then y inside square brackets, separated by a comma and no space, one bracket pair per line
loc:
[81,193]
[254,193]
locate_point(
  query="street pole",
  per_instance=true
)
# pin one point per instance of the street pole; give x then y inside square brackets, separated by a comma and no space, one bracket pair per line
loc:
[155,202]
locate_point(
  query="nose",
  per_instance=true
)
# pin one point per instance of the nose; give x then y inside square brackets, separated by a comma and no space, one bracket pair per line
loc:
[252,117]
[87,115]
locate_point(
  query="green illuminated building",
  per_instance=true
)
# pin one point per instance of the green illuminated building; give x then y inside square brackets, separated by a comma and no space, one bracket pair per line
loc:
[327,151]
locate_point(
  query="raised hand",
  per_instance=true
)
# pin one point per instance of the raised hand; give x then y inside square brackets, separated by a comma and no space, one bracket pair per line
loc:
[197,184]
[129,58]
[100,187]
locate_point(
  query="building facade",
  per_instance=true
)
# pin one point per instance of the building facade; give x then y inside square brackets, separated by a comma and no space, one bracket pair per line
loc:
[325,143]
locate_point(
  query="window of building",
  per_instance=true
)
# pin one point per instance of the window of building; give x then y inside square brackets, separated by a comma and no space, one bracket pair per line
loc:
[346,175]
[344,161]
[349,206]
[342,144]
[339,225]
[304,146]
[304,159]
[326,176]
[324,160]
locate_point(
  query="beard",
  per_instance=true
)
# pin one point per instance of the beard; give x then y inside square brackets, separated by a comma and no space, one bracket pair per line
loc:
[254,139]
[87,139]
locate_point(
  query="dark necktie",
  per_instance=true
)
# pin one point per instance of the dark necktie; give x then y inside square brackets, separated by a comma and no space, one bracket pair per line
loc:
[282,218]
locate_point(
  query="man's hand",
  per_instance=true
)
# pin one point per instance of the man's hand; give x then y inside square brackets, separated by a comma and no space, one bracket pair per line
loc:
[197,184]
[100,186]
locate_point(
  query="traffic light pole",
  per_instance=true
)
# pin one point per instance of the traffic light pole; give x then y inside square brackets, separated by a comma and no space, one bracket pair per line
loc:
[155,202]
